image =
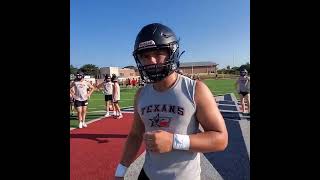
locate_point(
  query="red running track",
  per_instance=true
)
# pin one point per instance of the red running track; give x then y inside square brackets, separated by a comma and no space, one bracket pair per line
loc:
[95,151]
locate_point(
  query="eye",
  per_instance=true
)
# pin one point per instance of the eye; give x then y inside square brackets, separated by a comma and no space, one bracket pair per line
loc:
[143,59]
[145,56]
[162,52]
[159,53]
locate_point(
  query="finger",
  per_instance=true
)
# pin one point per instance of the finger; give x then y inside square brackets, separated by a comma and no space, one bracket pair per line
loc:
[148,136]
[156,131]
[149,144]
[148,141]
[145,137]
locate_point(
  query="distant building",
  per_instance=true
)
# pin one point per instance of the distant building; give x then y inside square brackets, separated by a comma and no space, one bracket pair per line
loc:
[198,67]
[127,73]
[132,71]
[121,73]
[107,70]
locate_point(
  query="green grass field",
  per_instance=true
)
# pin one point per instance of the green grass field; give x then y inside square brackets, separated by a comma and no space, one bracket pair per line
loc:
[97,105]
[222,86]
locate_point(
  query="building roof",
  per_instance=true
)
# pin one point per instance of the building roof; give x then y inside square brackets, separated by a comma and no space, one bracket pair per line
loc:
[203,63]
[130,67]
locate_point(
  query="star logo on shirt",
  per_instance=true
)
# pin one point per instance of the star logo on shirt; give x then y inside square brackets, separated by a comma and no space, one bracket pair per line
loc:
[158,121]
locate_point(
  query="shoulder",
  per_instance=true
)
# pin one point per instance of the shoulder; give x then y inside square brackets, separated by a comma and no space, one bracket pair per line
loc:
[202,93]
[201,88]
[186,80]
[138,93]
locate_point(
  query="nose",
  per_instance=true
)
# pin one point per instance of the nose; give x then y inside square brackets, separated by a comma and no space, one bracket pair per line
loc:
[150,60]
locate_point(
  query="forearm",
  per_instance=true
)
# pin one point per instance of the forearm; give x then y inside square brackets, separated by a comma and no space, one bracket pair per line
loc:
[131,149]
[210,141]
[91,91]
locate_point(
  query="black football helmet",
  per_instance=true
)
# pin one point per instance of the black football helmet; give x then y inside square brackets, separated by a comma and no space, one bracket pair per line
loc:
[114,78]
[152,37]
[243,72]
[79,75]
[107,78]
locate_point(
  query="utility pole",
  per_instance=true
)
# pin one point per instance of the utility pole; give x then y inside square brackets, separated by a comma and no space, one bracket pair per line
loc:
[234,57]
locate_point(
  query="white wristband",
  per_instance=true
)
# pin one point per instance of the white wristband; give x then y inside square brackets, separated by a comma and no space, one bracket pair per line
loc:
[121,171]
[181,142]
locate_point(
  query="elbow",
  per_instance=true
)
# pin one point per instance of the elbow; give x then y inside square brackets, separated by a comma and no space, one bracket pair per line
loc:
[222,142]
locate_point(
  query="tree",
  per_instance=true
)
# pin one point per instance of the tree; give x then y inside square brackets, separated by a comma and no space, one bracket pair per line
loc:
[222,71]
[235,68]
[90,69]
[73,70]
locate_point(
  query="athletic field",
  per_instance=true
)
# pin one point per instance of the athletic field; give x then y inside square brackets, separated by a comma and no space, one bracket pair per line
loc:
[96,107]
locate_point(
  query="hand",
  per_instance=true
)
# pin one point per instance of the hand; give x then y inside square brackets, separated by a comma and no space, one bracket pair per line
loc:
[158,141]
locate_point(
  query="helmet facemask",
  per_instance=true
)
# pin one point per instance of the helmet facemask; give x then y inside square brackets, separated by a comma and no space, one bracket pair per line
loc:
[153,73]
[243,73]
[79,76]
[107,78]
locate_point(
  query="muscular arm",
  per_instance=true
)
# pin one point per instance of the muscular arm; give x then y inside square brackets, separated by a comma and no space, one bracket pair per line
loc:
[114,91]
[215,135]
[72,89]
[91,89]
[135,137]
[99,85]
[236,84]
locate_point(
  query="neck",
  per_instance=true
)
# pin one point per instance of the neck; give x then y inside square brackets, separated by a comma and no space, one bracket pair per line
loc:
[166,83]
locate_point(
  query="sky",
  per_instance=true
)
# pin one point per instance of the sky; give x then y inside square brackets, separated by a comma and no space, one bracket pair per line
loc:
[103,32]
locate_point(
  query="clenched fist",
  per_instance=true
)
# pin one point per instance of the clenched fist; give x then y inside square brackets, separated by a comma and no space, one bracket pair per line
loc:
[158,141]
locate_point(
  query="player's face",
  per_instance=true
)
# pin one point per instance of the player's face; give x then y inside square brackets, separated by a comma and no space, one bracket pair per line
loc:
[79,77]
[153,57]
